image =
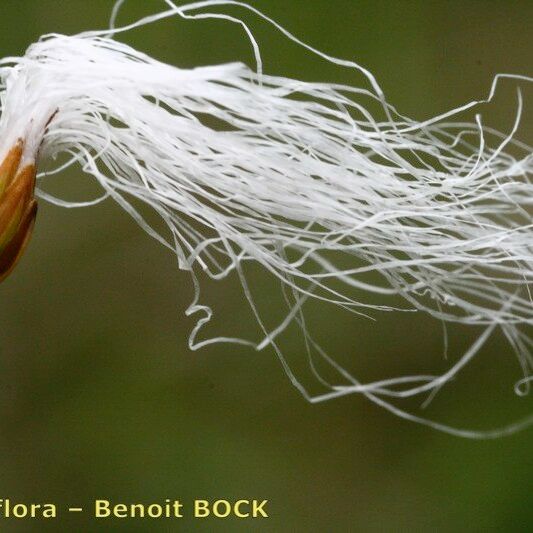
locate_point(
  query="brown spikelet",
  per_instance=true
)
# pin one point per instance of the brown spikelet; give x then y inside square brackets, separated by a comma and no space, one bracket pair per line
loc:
[10,165]
[18,208]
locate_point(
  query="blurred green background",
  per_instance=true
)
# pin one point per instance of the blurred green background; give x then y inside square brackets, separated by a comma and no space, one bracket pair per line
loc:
[99,395]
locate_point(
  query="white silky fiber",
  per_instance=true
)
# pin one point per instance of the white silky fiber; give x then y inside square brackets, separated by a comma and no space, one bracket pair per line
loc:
[325,186]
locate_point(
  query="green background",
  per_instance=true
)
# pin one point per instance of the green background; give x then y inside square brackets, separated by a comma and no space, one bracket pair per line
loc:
[99,395]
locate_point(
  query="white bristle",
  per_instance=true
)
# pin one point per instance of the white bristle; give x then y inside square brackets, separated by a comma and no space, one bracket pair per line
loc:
[299,177]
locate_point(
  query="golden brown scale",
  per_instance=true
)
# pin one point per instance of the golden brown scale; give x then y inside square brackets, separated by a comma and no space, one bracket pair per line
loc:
[18,208]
